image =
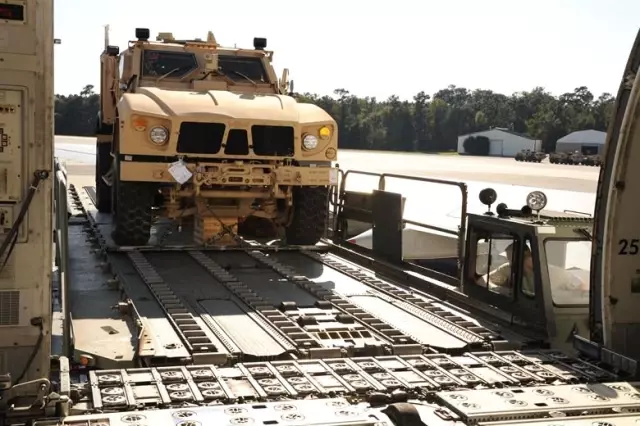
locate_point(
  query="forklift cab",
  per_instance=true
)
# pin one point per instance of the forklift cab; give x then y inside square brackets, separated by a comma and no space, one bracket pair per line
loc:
[533,266]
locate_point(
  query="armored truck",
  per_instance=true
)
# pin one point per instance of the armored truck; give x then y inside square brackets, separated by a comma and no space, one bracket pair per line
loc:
[575,158]
[538,327]
[530,156]
[593,160]
[190,130]
[560,158]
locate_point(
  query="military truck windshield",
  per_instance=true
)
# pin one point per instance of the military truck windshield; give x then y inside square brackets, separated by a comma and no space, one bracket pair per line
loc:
[156,63]
[569,263]
[239,68]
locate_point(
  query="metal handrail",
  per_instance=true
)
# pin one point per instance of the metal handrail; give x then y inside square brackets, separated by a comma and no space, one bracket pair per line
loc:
[462,228]
[342,189]
[61,213]
[382,179]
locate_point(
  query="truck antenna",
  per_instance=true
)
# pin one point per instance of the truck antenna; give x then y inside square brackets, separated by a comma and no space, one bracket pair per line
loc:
[106,36]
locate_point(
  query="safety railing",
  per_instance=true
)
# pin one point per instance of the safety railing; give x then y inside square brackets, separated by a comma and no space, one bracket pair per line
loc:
[336,196]
[382,184]
[61,223]
[342,185]
[463,207]
[333,202]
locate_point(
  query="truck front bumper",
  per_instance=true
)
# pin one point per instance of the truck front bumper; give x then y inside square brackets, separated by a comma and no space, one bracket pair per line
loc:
[230,174]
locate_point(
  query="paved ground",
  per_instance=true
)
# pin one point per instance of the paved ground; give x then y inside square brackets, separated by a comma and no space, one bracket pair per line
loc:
[78,154]
[467,168]
[567,187]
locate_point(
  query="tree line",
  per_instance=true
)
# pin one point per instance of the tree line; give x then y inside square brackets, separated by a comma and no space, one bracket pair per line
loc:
[425,124]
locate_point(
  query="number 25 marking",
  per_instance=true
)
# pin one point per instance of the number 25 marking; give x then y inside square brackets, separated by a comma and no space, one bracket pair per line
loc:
[629,247]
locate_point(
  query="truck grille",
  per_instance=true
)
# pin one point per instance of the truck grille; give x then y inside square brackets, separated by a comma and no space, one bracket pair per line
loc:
[277,141]
[200,138]
[237,143]
[207,138]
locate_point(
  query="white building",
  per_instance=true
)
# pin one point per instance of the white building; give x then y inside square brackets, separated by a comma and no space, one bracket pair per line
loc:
[588,142]
[504,142]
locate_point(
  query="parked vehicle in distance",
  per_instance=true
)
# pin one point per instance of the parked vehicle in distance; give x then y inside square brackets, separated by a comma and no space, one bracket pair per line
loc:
[530,156]
[575,158]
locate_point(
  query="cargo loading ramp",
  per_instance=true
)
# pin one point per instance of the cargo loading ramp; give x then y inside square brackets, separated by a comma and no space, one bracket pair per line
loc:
[309,330]
[447,380]
[243,303]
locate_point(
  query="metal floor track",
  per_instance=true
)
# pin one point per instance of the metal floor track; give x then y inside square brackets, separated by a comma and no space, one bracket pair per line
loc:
[540,372]
[173,333]
[202,306]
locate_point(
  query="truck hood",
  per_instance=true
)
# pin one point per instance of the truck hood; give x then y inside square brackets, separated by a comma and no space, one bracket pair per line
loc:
[172,103]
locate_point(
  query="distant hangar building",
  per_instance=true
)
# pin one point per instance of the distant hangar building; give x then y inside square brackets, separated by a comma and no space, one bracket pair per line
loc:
[504,142]
[588,142]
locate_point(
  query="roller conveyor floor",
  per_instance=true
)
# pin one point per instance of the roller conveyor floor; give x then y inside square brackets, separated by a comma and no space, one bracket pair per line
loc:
[275,335]
[178,303]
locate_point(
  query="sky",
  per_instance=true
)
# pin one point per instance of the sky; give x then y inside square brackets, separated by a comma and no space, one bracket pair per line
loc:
[375,47]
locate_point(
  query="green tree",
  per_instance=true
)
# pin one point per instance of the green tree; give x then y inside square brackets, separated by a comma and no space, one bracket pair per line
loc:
[426,123]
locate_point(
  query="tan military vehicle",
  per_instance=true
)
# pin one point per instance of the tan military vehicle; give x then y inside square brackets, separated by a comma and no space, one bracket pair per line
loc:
[188,128]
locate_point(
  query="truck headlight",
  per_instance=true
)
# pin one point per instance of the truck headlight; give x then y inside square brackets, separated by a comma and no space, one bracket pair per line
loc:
[309,142]
[159,135]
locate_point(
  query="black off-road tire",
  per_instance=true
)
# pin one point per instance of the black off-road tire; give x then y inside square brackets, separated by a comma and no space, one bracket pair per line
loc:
[309,220]
[103,164]
[132,213]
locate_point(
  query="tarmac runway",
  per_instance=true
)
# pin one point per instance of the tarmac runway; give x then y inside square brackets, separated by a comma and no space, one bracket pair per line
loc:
[567,187]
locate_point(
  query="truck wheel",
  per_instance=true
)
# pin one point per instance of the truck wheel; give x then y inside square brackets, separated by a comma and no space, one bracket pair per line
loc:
[132,213]
[103,164]
[309,216]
